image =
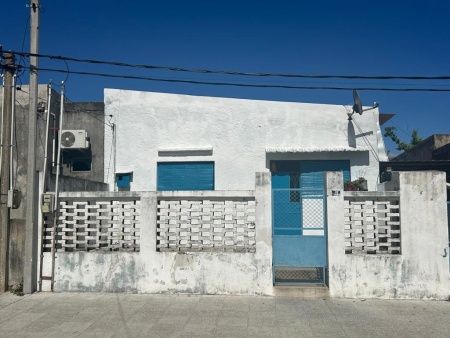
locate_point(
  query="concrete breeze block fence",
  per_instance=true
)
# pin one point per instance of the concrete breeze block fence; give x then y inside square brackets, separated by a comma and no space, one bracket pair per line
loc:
[214,224]
[372,222]
[214,242]
[389,244]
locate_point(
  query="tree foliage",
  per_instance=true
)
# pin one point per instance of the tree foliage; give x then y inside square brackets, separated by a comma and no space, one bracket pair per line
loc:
[415,138]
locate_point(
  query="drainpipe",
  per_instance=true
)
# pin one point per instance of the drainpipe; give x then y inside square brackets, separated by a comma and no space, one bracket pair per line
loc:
[55,210]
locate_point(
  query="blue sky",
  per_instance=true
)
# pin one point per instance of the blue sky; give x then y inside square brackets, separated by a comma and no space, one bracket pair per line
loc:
[304,37]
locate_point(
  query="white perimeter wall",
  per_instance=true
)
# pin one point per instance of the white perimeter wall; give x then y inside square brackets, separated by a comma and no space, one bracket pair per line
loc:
[421,270]
[239,131]
[149,271]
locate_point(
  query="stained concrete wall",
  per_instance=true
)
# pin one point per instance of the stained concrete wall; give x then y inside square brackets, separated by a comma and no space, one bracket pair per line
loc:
[67,183]
[20,158]
[240,136]
[421,270]
[149,271]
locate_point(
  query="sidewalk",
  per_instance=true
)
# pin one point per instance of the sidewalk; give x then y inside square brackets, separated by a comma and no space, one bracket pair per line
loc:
[127,315]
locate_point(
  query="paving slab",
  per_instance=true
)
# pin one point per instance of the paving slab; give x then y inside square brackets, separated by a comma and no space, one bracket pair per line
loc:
[131,315]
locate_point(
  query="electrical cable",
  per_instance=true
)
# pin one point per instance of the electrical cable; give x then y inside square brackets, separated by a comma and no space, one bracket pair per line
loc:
[243,84]
[208,71]
[367,141]
[90,113]
[22,57]
[402,130]
[67,76]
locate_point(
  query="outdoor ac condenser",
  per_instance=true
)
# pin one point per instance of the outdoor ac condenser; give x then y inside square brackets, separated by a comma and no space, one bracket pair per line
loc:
[74,139]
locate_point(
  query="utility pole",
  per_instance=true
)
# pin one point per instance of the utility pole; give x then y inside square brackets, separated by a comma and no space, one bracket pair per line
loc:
[31,224]
[4,170]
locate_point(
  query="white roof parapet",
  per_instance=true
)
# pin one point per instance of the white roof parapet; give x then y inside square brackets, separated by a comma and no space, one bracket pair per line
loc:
[312,150]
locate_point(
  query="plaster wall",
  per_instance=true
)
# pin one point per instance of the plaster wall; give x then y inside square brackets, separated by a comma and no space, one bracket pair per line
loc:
[239,132]
[421,270]
[89,116]
[149,271]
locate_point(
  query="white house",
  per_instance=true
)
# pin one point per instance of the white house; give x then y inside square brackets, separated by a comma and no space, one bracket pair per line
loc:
[228,196]
[233,138]
[169,142]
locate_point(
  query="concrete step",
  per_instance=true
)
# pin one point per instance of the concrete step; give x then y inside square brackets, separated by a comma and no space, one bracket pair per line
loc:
[301,291]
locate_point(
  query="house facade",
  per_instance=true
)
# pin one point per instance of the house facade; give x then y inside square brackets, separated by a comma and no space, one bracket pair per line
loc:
[231,139]
[227,196]
[170,142]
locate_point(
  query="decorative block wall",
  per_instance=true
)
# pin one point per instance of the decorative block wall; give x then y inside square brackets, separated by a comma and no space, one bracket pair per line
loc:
[100,224]
[206,225]
[372,226]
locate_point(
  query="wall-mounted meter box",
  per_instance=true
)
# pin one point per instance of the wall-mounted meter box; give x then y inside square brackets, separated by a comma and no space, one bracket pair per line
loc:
[14,198]
[47,202]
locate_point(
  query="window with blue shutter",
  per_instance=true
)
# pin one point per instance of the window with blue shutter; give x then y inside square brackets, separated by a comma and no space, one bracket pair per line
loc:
[312,172]
[185,176]
[123,180]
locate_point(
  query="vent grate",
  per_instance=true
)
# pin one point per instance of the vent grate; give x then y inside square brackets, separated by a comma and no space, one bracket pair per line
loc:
[289,275]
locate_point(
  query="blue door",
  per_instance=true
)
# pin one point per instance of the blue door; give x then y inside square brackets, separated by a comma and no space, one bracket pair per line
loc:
[299,224]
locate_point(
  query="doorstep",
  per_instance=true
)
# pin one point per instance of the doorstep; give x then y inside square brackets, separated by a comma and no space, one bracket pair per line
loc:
[301,291]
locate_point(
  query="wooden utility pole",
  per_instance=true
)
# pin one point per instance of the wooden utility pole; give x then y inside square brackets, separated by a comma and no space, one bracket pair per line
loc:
[31,223]
[4,169]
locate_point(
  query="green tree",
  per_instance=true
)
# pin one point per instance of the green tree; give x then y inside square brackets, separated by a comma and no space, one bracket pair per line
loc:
[415,138]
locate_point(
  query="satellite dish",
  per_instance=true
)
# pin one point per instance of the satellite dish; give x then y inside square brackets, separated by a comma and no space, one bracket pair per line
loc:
[357,106]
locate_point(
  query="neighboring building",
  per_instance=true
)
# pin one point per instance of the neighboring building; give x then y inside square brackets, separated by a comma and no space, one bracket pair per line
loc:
[433,153]
[84,116]
[85,163]
[431,149]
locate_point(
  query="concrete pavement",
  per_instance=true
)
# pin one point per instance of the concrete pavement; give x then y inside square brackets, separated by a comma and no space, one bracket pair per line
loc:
[129,315]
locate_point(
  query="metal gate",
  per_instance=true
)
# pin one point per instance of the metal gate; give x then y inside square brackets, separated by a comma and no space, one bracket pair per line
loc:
[299,241]
[298,220]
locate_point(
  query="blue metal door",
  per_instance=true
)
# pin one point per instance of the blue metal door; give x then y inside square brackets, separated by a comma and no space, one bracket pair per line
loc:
[299,224]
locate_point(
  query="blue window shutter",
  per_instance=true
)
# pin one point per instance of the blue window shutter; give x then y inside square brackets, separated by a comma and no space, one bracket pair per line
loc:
[123,180]
[185,176]
[311,172]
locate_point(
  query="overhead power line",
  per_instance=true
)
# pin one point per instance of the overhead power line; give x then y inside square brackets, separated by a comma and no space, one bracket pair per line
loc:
[209,71]
[241,84]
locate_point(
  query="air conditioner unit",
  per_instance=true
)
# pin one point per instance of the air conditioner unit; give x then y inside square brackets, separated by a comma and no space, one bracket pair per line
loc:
[74,139]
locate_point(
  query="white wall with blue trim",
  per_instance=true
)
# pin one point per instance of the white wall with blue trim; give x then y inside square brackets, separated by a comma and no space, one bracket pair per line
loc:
[239,136]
